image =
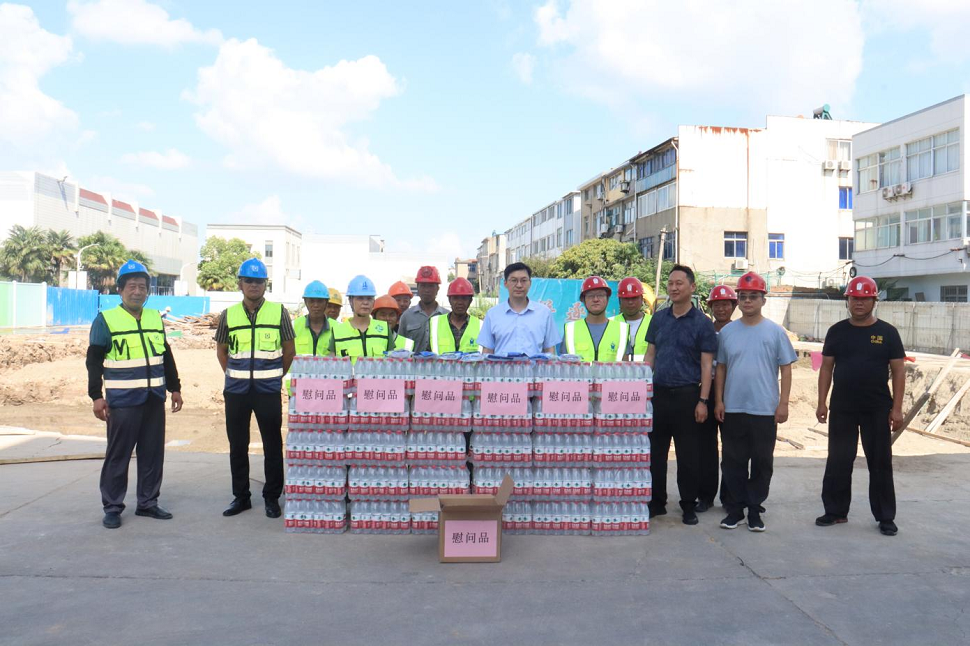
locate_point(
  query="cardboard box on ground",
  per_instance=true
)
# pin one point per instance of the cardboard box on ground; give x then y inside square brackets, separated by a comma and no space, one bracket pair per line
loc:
[469,525]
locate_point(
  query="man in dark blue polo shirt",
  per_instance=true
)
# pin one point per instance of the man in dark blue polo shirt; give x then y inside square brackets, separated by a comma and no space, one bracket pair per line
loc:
[682,347]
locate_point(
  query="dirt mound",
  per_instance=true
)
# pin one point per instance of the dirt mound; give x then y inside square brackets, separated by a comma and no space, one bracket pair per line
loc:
[17,352]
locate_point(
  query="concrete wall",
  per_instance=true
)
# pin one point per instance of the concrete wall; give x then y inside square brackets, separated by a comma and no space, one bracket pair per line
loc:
[923,327]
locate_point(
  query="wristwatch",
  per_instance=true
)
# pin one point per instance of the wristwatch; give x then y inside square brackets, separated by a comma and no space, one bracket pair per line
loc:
[703,400]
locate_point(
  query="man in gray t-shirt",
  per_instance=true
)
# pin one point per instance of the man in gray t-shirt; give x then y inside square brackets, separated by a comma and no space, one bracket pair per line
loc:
[751,353]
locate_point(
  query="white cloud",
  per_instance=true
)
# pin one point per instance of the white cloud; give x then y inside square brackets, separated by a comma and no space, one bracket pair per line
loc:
[120,190]
[945,22]
[135,22]
[86,137]
[267,113]
[28,52]
[762,56]
[146,126]
[171,159]
[269,210]
[524,64]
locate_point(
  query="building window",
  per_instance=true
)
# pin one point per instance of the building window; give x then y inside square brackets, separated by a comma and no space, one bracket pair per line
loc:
[890,167]
[868,173]
[670,247]
[933,155]
[839,149]
[845,197]
[941,222]
[628,174]
[776,246]
[657,200]
[268,249]
[953,293]
[646,247]
[846,247]
[628,212]
[614,181]
[735,244]
[599,190]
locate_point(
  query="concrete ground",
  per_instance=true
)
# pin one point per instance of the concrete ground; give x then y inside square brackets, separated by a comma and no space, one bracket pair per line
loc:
[205,579]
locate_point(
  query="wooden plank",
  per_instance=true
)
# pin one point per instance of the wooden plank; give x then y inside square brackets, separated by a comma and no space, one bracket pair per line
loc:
[925,397]
[937,436]
[950,405]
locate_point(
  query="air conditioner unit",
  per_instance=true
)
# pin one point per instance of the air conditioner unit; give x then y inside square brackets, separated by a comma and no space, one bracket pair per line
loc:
[888,193]
[845,165]
[741,264]
[625,187]
[906,188]
[829,164]
[831,282]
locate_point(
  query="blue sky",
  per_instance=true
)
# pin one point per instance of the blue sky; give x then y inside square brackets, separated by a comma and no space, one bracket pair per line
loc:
[429,123]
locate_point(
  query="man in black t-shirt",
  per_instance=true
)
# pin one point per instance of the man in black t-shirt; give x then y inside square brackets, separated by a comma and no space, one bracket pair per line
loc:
[862,352]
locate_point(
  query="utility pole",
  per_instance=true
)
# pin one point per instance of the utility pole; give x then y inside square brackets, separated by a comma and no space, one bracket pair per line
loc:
[660,262]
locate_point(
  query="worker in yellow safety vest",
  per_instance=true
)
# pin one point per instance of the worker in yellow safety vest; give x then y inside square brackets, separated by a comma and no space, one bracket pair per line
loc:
[386,309]
[361,336]
[630,292]
[597,338]
[313,331]
[455,331]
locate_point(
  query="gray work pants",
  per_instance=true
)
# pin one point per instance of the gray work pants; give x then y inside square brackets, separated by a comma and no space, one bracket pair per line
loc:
[142,426]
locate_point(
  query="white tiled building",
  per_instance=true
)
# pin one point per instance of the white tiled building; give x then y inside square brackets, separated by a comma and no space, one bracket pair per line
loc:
[278,245]
[910,210]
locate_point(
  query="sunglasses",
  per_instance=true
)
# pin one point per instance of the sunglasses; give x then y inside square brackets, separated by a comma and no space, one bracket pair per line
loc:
[749,297]
[256,281]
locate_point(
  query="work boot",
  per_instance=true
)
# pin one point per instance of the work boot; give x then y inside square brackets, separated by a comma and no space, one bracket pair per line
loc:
[273,509]
[888,528]
[755,524]
[154,512]
[112,520]
[732,520]
[238,506]
[690,517]
[827,520]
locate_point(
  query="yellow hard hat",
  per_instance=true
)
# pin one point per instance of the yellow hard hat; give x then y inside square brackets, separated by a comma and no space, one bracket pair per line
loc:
[335,296]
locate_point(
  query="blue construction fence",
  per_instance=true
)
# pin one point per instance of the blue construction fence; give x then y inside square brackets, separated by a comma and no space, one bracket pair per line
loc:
[561,295]
[180,305]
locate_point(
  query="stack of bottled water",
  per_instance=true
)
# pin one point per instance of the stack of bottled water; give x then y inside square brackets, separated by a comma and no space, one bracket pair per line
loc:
[621,450]
[381,517]
[508,371]
[382,449]
[620,519]
[424,522]
[501,449]
[561,518]
[561,485]
[366,421]
[315,516]
[433,481]
[377,483]
[551,375]
[436,449]
[621,422]
[634,485]
[487,480]
[316,447]
[563,449]
[517,518]
[312,482]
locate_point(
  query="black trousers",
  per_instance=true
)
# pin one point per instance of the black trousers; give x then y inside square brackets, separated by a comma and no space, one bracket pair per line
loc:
[747,439]
[844,431]
[142,426]
[268,409]
[708,469]
[673,419]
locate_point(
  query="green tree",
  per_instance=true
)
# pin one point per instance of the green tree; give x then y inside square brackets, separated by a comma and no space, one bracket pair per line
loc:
[220,263]
[24,255]
[103,260]
[541,267]
[61,247]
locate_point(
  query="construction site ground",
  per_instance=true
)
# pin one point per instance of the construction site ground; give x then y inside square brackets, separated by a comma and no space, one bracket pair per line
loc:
[203,578]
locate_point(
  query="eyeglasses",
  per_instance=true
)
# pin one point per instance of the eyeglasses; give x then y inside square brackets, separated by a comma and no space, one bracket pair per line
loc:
[256,281]
[518,281]
[749,296]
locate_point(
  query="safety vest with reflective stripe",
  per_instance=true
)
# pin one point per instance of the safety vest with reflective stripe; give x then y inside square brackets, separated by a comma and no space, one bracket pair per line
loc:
[403,343]
[350,342]
[304,337]
[133,365]
[612,345]
[255,350]
[442,339]
[640,344]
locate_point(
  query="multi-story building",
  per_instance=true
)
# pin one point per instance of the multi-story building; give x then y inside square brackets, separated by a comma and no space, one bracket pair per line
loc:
[910,208]
[616,216]
[491,263]
[569,209]
[546,232]
[776,200]
[592,198]
[33,199]
[468,269]
[280,248]
[518,242]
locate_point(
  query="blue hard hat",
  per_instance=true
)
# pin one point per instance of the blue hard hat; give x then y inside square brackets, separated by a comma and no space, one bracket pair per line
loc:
[361,286]
[253,268]
[316,289]
[133,267]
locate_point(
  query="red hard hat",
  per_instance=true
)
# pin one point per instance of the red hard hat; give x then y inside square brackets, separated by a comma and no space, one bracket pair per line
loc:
[428,274]
[752,282]
[722,293]
[594,282]
[862,287]
[630,288]
[461,287]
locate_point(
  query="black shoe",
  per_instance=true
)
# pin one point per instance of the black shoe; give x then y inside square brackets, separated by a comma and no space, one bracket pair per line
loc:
[888,528]
[657,511]
[154,512]
[827,520]
[732,520]
[702,506]
[112,520]
[690,518]
[273,509]
[238,506]
[755,524]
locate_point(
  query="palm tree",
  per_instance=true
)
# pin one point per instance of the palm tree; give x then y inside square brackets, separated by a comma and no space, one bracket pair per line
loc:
[60,245]
[23,255]
[103,260]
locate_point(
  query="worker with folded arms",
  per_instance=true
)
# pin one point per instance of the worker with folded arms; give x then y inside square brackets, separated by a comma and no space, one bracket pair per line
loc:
[386,310]
[128,350]
[455,331]
[597,338]
[749,404]
[861,352]
[361,335]
[414,320]
[255,347]
[402,295]
[630,293]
